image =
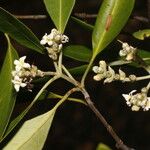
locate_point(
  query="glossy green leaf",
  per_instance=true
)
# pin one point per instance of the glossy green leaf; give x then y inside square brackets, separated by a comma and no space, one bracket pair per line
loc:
[142,34]
[33,133]
[59,11]
[78,52]
[78,70]
[111,18]
[83,23]
[102,146]
[18,31]
[7,93]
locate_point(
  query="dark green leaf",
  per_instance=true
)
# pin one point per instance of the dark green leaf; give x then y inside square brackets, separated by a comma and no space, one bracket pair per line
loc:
[143,53]
[142,34]
[83,24]
[18,31]
[78,70]
[7,93]
[111,18]
[59,11]
[78,52]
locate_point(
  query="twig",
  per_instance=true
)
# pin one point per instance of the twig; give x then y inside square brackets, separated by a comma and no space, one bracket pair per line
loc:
[137,78]
[119,142]
[36,17]
[141,18]
[85,15]
[66,96]
[148,7]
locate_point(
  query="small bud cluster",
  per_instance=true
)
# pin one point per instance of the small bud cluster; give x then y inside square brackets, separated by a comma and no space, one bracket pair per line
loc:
[138,100]
[128,52]
[54,43]
[106,72]
[24,73]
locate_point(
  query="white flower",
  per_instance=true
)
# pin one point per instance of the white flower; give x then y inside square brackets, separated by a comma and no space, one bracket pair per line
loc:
[21,64]
[47,39]
[147,107]
[98,77]
[137,101]
[128,52]
[60,47]
[64,39]
[18,83]
[96,69]
[110,75]
[16,73]
[135,108]
[44,39]
[55,41]
[128,97]
[122,75]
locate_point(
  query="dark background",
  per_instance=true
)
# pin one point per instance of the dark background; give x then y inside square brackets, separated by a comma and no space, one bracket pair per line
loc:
[75,127]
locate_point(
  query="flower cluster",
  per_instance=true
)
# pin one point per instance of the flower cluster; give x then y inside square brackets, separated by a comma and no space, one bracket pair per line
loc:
[138,100]
[106,72]
[24,73]
[128,52]
[54,42]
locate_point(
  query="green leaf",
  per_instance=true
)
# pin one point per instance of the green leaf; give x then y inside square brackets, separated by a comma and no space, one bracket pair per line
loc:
[111,18]
[78,52]
[33,133]
[83,24]
[59,11]
[142,34]
[14,123]
[143,53]
[78,70]
[7,93]
[102,146]
[18,31]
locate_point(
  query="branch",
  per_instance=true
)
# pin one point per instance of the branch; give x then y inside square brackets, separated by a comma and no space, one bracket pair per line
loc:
[36,17]
[85,15]
[119,142]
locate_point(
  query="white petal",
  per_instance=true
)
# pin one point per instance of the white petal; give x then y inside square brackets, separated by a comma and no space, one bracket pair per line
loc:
[95,69]
[14,73]
[23,84]
[147,105]
[125,45]
[98,77]
[22,59]
[17,87]
[17,78]
[60,46]
[64,39]
[54,30]
[26,65]
[50,36]
[135,108]
[126,97]
[43,42]
[16,62]
[50,43]
[18,68]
